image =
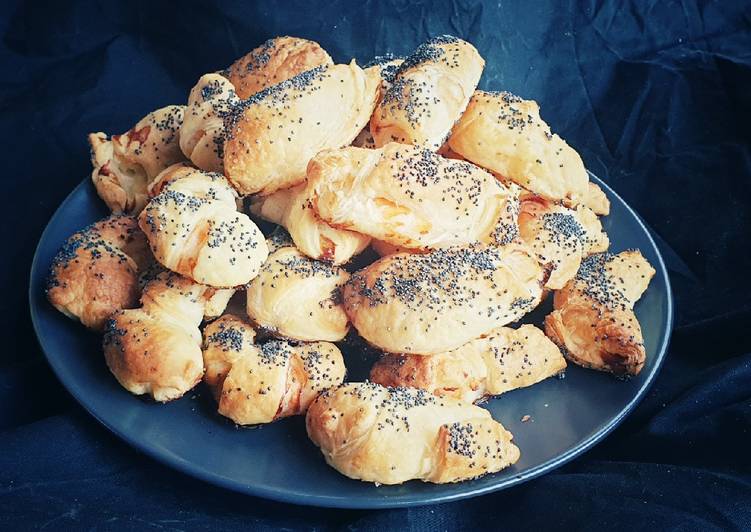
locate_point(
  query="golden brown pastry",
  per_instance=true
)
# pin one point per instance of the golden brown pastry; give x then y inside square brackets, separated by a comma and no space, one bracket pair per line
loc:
[506,229]
[428,94]
[156,349]
[96,271]
[215,304]
[596,200]
[593,321]
[435,302]
[299,298]
[202,131]
[194,229]
[291,208]
[386,67]
[504,360]
[405,195]
[276,60]
[125,164]
[272,135]
[503,133]
[391,435]
[560,237]
[259,384]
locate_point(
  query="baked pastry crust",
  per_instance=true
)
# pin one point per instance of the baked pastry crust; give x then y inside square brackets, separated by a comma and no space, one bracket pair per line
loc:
[392,435]
[272,135]
[560,237]
[194,229]
[96,271]
[292,208]
[405,195]
[505,134]
[503,360]
[125,164]
[428,94]
[261,383]
[202,131]
[276,60]
[156,349]
[434,302]
[593,321]
[296,297]
[596,200]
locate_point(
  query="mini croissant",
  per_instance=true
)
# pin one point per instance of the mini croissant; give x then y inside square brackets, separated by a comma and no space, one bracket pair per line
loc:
[593,320]
[261,383]
[194,229]
[125,164]
[391,435]
[505,134]
[560,237]
[434,302]
[272,135]
[156,349]
[405,195]
[503,360]
[428,93]
[96,271]
[292,208]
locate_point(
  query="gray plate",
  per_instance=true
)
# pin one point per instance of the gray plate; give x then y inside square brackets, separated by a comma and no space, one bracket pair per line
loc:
[277,461]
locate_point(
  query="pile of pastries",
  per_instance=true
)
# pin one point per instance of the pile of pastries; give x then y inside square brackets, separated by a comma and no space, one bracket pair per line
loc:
[477,211]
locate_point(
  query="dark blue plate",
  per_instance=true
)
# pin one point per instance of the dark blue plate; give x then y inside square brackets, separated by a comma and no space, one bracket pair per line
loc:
[278,461]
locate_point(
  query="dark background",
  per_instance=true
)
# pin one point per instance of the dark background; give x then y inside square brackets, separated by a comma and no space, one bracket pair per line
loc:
[656,96]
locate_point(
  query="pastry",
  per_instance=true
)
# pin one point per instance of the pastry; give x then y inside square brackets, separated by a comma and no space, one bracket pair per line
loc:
[386,67]
[202,131]
[194,229]
[261,383]
[272,135]
[276,60]
[596,200]
[291,207]
[560,237]
[405,195]
[503,360]
[124,164]
[156,349]
[434,302]
[593,320]
[296,297]
[428,94]
[216,303]
[505,134]
[96,271]
[392,435]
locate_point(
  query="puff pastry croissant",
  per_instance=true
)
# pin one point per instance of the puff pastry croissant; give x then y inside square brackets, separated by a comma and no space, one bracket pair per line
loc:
[272,135]
[292,208]
[434,302]
[429,91]
[193,228]
[96,271]
[296,297]
[405,195]
[391,435]
[156,349]
[593,321]
[261,383]
[276,60]
[125,164]
[505,134]
[503,360]
[560,237]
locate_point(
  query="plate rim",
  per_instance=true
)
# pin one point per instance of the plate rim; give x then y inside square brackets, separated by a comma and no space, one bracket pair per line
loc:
[326,501]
